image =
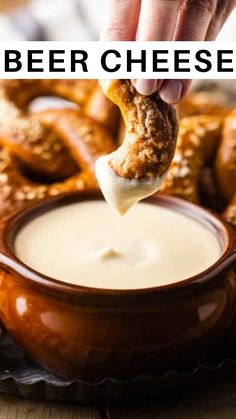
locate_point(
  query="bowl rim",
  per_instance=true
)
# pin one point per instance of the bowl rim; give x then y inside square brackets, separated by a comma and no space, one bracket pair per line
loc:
[12,224]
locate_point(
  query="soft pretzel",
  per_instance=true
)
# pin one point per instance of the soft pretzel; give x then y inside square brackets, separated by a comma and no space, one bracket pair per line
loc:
[203,102]
[196,145]
[38,147]
[24,136]
[48,152]
[22,92]
[86,94]
[84,138]
[32,143]
[17,190]
[100,108]
[137,167]
[225,165]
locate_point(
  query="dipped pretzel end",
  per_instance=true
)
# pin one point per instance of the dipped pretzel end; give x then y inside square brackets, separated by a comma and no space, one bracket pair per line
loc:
[137,168]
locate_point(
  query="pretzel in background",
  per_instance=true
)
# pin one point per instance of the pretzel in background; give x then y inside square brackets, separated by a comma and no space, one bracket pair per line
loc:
[203,170]
[50,152]
[225,165]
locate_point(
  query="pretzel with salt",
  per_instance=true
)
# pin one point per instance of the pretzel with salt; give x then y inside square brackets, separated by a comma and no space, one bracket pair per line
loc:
[138,166]
[196,145]
[225,165]
[45,153]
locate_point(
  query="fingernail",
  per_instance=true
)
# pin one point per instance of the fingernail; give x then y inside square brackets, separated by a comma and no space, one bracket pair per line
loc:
[146,87]
[171,92]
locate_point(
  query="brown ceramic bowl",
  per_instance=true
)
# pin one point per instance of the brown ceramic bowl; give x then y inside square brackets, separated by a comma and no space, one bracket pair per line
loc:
[77,332]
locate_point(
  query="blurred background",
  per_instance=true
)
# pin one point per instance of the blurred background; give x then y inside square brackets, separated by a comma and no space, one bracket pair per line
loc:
[63,20]
[52,20]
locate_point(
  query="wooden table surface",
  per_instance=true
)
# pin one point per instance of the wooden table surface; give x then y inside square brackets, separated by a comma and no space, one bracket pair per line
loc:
[217,401]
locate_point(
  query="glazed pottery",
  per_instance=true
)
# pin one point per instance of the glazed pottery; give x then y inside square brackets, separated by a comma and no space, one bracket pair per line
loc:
[81,332]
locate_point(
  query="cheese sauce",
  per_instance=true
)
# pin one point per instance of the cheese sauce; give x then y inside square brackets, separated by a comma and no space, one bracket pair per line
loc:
[88,244]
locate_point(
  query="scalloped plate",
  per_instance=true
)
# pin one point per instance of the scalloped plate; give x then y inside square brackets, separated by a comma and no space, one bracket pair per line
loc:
[21,377]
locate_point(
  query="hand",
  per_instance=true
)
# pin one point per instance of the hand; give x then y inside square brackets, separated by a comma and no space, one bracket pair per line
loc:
[165,20]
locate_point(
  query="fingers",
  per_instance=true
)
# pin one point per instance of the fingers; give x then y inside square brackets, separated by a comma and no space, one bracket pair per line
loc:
[157,20]
[147,87]
[179,20]
[153,18]
[222,12]
[194,19]
[172,91]
[121,20]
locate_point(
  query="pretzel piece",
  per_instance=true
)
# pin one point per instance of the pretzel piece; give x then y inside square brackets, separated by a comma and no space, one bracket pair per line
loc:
[17,191]
[204,102]
[22,92]
[37,147]
[48,152]
[85,139]
[225,165]
[136,169]
[86,94]
[30,139]
[102,110]
[196,145]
